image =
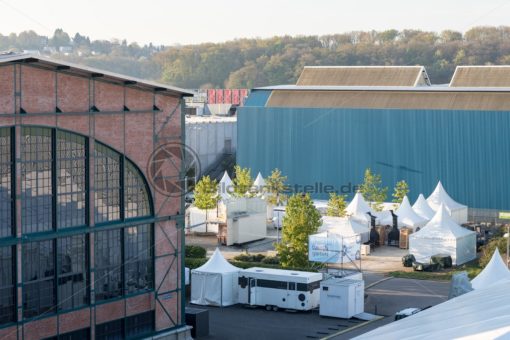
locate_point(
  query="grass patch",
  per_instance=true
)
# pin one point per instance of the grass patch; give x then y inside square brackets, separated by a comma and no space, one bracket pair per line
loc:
[472,268]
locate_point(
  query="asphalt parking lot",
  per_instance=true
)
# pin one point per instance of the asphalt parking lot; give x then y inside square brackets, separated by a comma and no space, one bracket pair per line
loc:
[386,296]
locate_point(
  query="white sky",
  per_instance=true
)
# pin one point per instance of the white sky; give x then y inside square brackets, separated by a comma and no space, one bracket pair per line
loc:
[170,22]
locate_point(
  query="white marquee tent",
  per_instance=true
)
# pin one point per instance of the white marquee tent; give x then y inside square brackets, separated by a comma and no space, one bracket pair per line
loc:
[423,209]
[458,211]
[344,226]
[479,314]
[215,282]
[494,272]
[443,236]
[259,183]
[358,208]
[406,216]
[225,186]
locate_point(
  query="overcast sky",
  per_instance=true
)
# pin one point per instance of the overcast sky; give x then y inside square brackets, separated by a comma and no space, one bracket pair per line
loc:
[170,22]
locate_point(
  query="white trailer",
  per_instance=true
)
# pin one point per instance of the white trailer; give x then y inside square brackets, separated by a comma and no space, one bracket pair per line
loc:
[341,298]
[278,288]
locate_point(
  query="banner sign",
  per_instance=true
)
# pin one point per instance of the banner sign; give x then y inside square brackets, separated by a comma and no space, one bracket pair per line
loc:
[504,215]
[332,248]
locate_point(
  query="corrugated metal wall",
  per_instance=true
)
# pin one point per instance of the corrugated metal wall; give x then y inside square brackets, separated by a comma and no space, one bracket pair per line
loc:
[469,151]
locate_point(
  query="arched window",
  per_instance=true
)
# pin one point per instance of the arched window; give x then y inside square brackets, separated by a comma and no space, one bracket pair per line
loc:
[113,172]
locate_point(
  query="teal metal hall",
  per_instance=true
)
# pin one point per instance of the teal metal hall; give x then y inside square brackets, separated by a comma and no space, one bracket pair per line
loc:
[335,122]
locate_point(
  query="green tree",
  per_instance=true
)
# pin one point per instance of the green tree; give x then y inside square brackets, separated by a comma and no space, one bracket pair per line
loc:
[60,38]
[301,220]
[372,190]
[401,190]
[275,185]
[336,205]
[242,181]
[206,195]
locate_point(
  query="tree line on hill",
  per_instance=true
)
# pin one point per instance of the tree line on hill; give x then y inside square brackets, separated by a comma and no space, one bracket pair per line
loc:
[248,63]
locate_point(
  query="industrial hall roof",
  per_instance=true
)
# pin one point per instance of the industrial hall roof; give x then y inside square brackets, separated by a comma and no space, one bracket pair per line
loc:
[385,87]
[481,76]
[363,76]
[89,72]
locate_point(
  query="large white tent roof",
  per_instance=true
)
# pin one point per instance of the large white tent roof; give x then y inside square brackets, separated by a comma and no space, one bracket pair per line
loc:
[342,225]
[479,314]
[358,205]
[440,196]
[224,186]
[406,216]
[441,226]
[423,209]
[217,264]
[494,271]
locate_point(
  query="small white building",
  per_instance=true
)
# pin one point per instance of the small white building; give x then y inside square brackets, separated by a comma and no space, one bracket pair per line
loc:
[342,298]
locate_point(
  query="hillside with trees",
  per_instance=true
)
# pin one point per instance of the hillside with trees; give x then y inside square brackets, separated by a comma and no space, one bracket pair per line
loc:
[279,60]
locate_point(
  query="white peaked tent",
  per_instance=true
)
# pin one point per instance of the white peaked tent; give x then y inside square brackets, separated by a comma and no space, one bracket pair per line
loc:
[215,283]
[358,208]
[406,216]
[423,209]
[259,183]
[443,236]
[344,226]
[479,314]
[495,271]
[225,186]
[458,211]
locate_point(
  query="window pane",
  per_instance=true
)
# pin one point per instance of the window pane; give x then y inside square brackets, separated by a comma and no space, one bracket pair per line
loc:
[7,281]
[72,272]
[108,263]
[138,257]
[107,184]
[70,180]
[110,330]
[140,324]
[38,278]
[82,334]
[5,183]
[136,196]
[36,191]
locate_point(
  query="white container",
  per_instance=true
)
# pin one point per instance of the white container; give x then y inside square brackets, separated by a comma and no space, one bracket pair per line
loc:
[342,298]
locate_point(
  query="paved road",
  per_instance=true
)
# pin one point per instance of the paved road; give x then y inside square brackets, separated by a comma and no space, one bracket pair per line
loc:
[389,296]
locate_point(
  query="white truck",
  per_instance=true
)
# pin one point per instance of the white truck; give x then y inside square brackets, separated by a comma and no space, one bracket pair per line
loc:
[278,288]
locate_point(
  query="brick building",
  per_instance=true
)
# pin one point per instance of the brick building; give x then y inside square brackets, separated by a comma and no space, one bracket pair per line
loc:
[89,248]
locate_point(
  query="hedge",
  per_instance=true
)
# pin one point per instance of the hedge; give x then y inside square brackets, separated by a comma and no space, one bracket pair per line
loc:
[195,252]
[193,263]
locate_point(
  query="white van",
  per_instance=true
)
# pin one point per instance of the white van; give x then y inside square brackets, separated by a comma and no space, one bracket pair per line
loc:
[278,288]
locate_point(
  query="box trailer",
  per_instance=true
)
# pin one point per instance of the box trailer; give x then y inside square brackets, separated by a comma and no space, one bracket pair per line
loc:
[278,288]
[341,298]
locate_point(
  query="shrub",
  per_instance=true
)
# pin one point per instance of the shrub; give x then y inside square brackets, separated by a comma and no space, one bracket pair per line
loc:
[249,258]
[195,252]
[488,250]
[193,263]
[271,260]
